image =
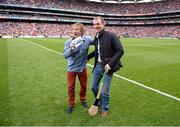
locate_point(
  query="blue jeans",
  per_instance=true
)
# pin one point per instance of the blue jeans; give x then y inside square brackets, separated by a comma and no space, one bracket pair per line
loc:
[105,93]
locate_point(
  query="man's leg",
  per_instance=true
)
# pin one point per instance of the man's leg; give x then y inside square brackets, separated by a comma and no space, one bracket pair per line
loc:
[71,76]
[106,94]
[83,84]
[96,77]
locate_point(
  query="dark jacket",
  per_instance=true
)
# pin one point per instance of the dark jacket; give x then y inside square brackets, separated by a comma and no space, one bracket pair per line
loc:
[111,50]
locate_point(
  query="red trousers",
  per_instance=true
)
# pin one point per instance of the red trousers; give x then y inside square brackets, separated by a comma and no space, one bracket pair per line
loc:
[71,76]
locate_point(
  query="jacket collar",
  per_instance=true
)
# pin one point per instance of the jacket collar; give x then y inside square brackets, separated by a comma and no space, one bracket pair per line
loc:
[99,34]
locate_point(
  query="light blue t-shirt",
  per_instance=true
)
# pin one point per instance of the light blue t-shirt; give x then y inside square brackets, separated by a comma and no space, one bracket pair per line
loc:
[77,58]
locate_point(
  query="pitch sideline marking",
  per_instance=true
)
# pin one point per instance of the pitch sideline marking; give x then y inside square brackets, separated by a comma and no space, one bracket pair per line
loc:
[129,80]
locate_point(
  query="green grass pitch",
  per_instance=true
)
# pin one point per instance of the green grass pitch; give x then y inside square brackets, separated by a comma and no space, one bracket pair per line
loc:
[33,85]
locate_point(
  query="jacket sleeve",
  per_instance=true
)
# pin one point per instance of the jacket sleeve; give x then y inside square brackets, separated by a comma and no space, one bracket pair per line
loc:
[91,55]
[90,40]
[117,47]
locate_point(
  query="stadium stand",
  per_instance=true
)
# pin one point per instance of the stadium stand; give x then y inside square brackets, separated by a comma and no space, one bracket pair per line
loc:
[53,18]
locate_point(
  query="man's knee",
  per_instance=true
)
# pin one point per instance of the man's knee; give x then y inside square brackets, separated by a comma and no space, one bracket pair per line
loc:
[105,93]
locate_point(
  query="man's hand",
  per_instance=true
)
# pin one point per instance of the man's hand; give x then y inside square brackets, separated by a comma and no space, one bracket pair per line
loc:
[107,68]
[73,46]
[76,42]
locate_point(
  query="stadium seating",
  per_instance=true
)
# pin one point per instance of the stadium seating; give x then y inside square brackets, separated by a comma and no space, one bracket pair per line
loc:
[53,18]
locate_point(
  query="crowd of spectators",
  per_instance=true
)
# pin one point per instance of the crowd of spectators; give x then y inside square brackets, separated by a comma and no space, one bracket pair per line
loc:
[149,31]
[40,17]
[128,8]
[46,29]
[76,19]
[60,29]
[33,29]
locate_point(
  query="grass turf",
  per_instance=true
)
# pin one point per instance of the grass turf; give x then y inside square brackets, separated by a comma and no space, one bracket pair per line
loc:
[33,86]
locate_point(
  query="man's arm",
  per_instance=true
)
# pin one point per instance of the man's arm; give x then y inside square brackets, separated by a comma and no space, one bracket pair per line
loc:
[91,55]
[119,51]
[91,39]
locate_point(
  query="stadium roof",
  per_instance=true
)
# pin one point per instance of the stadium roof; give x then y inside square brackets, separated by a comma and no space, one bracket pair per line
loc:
[123,1]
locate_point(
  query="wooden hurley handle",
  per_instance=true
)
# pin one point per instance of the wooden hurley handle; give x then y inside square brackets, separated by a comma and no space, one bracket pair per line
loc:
[100,87]
[99,92]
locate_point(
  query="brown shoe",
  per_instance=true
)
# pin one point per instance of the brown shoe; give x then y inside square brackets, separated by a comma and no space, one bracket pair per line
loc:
[104,114]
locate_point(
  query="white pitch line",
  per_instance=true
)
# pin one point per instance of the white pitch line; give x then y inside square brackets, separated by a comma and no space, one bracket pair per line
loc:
[149,88]
[43,47]
[129,80]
